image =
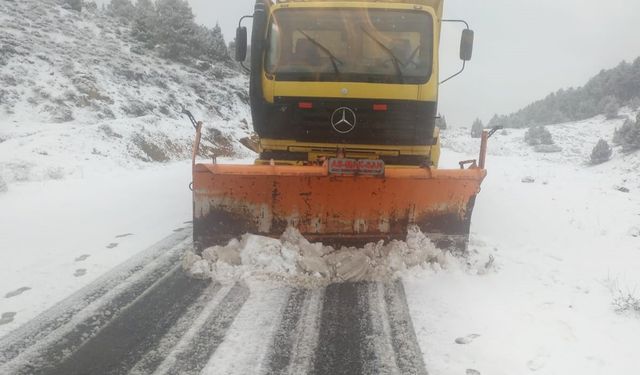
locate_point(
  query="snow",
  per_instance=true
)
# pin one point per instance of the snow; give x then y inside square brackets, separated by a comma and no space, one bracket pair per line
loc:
[550,283]
[298,262]
[53,229]
[548,286]
[563,255]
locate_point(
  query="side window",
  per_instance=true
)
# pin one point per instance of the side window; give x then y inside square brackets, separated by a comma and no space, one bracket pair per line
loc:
[273,52]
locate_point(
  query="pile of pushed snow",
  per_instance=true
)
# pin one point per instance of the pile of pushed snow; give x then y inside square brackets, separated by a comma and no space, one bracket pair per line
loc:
[294,259]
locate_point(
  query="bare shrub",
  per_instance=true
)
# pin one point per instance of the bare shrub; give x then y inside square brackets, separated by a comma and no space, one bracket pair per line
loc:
[626,302]
[222,144]
[108,131]
[152,151]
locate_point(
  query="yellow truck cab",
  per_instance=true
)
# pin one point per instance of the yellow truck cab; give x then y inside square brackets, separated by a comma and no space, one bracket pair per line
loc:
[353,77]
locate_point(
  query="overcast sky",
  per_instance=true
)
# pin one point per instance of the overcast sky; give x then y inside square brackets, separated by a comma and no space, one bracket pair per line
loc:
[523,51]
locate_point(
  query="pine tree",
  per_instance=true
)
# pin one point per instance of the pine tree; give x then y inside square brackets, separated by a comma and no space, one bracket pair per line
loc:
[619,135]
[208,44]
[175,28]
[121,8]
[477,128]
[219,46]
[601,152]
[610,107]
[538,135]
[145,23]
[628,136]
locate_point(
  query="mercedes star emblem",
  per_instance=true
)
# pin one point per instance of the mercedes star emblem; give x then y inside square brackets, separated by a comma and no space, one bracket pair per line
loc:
[343,120]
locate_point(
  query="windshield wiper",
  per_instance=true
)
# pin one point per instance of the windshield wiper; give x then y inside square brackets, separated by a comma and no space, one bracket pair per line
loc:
[334,60]
[394,59]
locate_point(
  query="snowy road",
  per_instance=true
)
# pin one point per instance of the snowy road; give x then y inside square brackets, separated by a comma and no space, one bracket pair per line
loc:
[147,316]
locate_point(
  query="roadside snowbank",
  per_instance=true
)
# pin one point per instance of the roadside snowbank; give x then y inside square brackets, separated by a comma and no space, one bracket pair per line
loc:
[566,263]
[295,260]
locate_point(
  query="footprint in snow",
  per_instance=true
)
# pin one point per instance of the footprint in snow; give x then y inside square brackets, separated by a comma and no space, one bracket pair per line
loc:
[539,362]
[17,292]
[82,257]
[124,235]
[112,245]
[188,222]
[179,229]
[80,272]
[471,371]
[467,339]
[7,318]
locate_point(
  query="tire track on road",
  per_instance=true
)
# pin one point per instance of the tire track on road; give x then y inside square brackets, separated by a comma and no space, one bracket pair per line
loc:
[125,340]
[207,336]
[63,328]
[168,323]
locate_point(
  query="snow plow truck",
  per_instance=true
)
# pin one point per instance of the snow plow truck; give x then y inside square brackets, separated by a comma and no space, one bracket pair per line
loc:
[344,101]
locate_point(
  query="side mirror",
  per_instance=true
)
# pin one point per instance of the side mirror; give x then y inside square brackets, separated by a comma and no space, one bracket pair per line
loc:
[466,45]
[241,43]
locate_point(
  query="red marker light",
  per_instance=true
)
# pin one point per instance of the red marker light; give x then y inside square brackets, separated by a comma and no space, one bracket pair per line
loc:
[380,107]
[305,105]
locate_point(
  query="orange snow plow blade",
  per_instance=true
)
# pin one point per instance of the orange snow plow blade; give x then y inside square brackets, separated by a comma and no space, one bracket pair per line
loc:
[230,200]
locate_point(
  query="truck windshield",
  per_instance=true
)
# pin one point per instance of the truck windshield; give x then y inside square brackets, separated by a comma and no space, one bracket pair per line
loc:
[350,45]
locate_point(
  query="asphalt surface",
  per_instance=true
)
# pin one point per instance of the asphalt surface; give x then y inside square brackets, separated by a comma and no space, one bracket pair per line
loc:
[149,317]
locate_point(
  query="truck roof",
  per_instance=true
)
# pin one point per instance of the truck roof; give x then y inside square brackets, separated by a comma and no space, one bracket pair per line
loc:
[435,4]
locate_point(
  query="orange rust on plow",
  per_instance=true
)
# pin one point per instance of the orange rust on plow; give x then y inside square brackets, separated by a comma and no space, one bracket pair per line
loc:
[230,200]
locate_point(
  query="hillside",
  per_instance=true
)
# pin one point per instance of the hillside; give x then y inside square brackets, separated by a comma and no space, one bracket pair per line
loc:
[78,94]
[604,94]
[575,141]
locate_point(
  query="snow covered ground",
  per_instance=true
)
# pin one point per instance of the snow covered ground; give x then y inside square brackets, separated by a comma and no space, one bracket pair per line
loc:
[58,236]
[542,289]
[566,250]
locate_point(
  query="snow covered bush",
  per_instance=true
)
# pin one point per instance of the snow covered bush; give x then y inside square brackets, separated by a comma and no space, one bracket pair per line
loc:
[538,135]
[626,302]
[441,122]
[3,186]
[628,136]
[601,152]
[476,129]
